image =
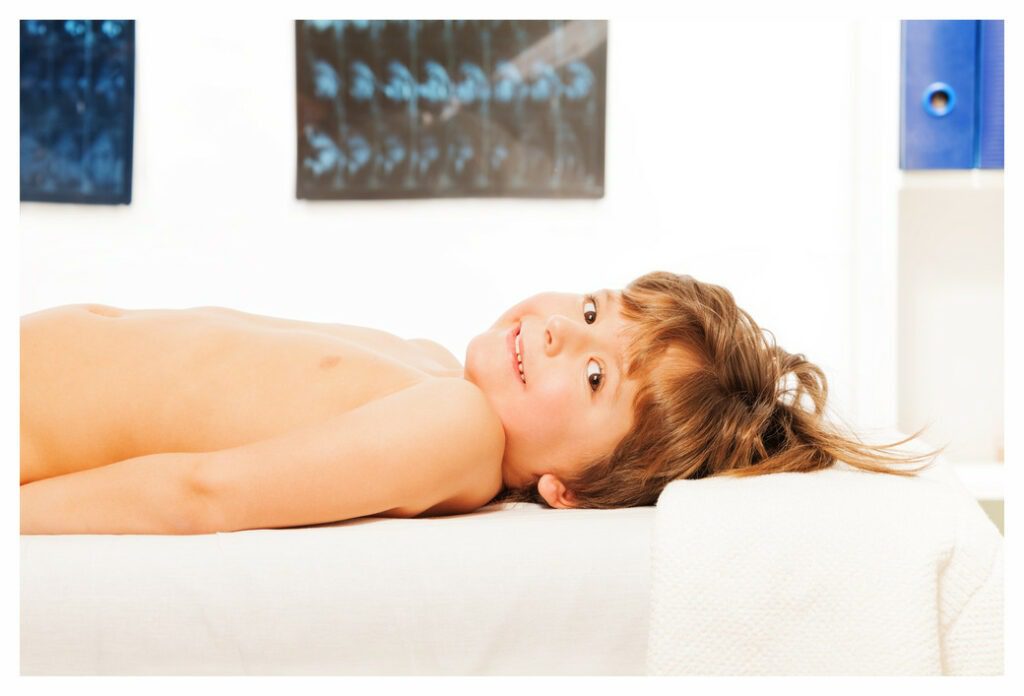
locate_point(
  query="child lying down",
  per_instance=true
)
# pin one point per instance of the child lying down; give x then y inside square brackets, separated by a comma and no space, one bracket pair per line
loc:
[193,421]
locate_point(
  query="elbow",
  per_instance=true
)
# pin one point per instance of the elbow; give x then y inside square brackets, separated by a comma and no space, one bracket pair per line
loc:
[203,508]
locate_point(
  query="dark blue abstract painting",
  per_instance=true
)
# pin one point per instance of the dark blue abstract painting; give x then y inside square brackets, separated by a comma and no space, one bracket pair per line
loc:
[451,108]
[77,103]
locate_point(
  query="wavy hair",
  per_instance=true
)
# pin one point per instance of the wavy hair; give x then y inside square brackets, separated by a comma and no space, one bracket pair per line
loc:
[717,397]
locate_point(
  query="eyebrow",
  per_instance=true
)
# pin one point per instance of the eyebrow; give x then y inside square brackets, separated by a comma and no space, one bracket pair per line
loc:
[607,295]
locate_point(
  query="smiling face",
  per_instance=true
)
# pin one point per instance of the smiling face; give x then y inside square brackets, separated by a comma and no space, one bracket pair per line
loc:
[575,404]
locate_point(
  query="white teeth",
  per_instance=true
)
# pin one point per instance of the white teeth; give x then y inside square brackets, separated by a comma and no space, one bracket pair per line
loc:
[519,357]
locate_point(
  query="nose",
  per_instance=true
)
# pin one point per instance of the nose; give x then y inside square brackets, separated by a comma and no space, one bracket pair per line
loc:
[559,333]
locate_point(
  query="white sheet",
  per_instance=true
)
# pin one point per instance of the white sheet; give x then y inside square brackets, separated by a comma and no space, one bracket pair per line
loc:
[509,589]
[836,572]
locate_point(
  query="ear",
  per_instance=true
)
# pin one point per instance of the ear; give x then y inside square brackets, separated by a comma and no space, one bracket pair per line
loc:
[555,492]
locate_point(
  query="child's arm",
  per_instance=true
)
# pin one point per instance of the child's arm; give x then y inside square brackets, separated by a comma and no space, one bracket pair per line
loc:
[434,443]
[152,494]
[400,455]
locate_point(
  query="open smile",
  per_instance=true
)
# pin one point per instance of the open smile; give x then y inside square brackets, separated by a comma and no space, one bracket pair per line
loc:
[516,351]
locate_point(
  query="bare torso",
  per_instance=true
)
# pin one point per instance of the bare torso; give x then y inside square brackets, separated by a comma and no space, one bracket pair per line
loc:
[101,384]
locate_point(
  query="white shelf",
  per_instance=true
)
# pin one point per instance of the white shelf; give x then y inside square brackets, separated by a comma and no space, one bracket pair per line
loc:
[984,479]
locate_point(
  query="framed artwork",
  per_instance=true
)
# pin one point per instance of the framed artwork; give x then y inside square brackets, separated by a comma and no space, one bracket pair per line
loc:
[450,108]
[77,104]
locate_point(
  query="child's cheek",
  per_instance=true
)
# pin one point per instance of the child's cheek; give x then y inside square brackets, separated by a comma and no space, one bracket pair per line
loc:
[547,412]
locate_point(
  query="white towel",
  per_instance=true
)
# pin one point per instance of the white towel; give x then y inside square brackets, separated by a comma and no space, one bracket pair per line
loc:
[833,572]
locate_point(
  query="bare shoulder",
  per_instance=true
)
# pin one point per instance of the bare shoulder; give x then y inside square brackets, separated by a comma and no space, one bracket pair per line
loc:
[477,446]
[472,438]
[462,406]
[436,352]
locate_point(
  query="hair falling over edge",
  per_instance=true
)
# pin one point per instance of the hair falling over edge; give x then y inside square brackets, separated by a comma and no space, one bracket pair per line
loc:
[718,397]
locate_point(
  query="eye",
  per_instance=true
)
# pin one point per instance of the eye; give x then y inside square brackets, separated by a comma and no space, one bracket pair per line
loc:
[594,375]
[590,309]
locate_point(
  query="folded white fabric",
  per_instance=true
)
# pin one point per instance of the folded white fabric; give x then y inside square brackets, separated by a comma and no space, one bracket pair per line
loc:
[833,572]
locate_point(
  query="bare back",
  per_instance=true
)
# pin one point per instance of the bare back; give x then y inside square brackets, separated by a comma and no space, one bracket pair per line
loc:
[101,384]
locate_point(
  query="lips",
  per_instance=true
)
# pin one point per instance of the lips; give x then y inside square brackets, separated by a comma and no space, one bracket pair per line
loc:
[511,341]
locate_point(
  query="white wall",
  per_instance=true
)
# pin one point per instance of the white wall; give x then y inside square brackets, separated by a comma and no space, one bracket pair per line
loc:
[951,310]
[731,151]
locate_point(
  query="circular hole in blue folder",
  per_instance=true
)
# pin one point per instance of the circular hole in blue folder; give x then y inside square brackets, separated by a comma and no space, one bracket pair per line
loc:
[938,99]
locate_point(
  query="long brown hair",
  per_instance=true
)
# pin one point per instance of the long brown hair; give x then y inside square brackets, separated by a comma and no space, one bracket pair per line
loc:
[717,397]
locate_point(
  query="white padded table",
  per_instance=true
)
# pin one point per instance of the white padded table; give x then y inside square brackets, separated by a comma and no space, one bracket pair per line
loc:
[509,589]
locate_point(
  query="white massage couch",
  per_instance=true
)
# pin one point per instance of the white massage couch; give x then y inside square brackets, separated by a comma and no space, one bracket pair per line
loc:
[837,572]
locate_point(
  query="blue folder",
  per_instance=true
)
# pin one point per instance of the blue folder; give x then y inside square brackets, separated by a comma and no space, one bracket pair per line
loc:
[951,106]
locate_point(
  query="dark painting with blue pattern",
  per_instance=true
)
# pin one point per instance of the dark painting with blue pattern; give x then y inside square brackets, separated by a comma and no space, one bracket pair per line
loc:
[77,102]
[451,108]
